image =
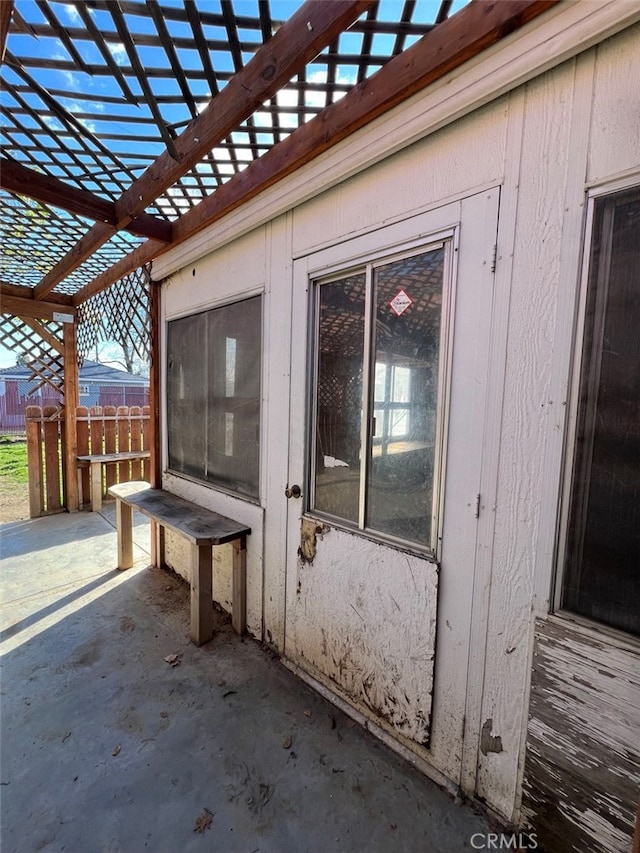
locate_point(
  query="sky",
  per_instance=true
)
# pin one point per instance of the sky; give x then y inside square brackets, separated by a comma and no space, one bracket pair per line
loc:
[78,83]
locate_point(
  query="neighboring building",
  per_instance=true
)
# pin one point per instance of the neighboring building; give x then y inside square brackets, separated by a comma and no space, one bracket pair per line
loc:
[100,385]
[461,568]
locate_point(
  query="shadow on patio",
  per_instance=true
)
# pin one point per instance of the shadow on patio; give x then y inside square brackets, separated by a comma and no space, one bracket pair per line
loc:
[108,747]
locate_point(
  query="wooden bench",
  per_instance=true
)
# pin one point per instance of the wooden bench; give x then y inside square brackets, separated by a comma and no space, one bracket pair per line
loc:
[95,461]
[204,530]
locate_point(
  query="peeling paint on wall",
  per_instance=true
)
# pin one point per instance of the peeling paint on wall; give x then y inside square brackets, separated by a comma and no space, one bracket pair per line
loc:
[309,532]
[488,742]
[364,619]
[582,766]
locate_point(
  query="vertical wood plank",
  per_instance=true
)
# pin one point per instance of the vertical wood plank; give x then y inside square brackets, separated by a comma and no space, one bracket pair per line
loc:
[111,472]
[239,612]
[135,419]
[34,460]
[146,434]
[122,416]
[82,436]
[153,436]
[201,594]
[124,526]
[96,486]
[51,458]
[71,400]
[96,431]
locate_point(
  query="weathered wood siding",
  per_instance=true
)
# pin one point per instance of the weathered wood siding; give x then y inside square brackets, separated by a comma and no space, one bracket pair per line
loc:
[582,767]
[571,124]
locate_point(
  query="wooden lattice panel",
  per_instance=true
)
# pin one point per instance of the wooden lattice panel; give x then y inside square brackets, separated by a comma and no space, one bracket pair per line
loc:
[119,314]
[39,344]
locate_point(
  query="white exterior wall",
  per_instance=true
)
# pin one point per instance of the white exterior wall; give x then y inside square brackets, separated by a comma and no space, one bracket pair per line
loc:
[543,144]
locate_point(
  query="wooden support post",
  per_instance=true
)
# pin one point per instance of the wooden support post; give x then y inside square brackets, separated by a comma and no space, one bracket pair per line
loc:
[71,402]
[239,609]
[34,460]
[155,474]
[124,525]
[201,594]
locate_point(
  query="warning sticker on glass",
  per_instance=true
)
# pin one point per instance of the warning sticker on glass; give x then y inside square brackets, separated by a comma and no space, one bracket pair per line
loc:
[400,302]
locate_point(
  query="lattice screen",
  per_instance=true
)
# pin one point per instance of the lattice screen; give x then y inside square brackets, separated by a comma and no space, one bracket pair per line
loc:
[119,314]
[36,343]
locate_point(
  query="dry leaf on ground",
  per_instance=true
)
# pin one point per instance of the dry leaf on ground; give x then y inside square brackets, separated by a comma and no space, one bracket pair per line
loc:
[173,660]
[286,743]
[204,821]
[116,750]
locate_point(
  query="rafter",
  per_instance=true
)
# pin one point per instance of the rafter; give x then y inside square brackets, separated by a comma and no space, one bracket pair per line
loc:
[33,308]
[6,10]
[444,48]
[441,50]
[298,41]
[17,178]
[20,291]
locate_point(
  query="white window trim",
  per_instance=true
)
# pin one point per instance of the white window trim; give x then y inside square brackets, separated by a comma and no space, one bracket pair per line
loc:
[612,187]
[367,262]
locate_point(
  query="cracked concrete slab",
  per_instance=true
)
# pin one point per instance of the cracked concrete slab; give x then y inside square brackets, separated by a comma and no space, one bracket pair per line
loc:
[119,735]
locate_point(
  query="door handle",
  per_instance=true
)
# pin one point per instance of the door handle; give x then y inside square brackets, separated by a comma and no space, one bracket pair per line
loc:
[293,491]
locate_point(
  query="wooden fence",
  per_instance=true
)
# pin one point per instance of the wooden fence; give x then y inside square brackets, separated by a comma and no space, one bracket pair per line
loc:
[99,430]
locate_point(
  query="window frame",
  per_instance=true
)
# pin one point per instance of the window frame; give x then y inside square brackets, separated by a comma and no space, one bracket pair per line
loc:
[557,608]
[234,299]
[367,262]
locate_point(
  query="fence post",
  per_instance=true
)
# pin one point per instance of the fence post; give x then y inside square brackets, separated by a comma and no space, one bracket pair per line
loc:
[135,416]
[51,417]
[33,416]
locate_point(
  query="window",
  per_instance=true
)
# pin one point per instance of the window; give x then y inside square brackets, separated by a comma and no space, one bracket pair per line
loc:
[378,351]
[601,577]
[213,396]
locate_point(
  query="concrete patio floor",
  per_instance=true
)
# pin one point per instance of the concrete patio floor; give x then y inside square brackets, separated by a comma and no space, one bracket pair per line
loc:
[108,747]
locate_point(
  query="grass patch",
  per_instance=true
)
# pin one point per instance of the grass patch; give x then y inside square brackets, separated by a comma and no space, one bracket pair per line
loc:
[13,461]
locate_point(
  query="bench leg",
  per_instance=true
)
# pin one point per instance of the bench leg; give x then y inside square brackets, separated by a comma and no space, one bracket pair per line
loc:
[201,594]
[239,613]
[80,495]
[124,526]
[157,545]
[96,486]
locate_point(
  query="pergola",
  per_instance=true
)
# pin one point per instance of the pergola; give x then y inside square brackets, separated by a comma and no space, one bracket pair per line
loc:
[131,125]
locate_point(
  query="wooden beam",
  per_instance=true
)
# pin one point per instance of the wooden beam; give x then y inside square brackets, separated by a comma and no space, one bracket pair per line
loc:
[71,403]
[32,308]
[155,466]
[18,178]
[22,292]
[6,10]
[133,261]
[299,40]
[89,243]
[444,48]
[447,46]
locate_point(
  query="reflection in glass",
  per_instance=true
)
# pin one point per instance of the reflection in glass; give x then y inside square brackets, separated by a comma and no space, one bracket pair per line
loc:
[213,395]
[602,577]
[339,397]
[406,357]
